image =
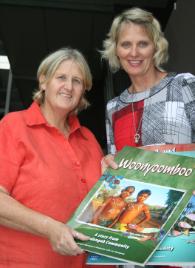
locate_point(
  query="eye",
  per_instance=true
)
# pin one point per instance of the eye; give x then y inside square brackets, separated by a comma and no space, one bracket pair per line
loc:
[143,44]
[61,77]
[77,81]
[125,44]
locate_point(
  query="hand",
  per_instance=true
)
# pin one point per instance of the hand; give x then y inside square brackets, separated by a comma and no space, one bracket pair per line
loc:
[108,161]
[62,239]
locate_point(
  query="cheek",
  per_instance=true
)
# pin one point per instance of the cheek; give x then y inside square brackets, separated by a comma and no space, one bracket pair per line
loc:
[122,53]
[79,94]
[150,54]
[49,93]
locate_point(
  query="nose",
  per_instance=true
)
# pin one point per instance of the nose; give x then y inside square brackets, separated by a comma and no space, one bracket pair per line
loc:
[68,84]
[134,51]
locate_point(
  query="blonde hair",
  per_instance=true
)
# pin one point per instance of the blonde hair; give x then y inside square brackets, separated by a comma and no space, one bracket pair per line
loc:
[153,28]
[50,64]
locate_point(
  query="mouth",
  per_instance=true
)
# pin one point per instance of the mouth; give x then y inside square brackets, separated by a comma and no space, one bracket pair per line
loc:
[134,63]
[65,95]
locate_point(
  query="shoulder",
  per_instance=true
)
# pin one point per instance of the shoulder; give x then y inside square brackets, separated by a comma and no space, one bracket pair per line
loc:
[184,75]
[88,135]
[12,119]
[13,125]
[184,78]
[112,103]
[119,101]
[182,87]
[11,134]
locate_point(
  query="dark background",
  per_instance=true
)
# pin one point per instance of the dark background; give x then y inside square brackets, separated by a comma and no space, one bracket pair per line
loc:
[29,30]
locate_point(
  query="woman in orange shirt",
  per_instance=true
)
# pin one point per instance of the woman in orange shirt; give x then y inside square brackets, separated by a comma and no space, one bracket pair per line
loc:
[48,163]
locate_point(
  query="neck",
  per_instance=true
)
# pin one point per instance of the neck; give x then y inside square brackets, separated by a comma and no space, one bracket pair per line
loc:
[140,84]
[56,119]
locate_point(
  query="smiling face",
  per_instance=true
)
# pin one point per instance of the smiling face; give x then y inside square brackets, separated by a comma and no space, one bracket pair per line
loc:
[65,89]
[142,197]
[135,50]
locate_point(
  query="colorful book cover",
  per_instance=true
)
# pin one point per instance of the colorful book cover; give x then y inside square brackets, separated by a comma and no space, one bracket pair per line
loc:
[179,245]
[130,210]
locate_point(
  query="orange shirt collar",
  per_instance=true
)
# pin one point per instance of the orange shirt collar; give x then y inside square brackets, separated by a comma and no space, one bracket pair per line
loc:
[33,117]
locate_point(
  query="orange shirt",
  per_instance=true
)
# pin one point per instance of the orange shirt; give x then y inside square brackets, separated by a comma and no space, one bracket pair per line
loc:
[48,173]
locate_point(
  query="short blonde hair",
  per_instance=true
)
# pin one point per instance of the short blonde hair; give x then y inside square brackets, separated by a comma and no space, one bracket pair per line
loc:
[153,28]
[50,64]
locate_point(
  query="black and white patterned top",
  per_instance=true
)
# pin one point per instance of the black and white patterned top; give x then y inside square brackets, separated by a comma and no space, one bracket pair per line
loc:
[161,115]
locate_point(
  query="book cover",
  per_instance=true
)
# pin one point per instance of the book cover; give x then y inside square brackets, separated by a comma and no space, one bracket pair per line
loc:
[179,245]
[134,223]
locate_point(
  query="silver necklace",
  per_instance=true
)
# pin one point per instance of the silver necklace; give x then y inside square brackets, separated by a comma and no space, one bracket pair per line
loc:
[137,135]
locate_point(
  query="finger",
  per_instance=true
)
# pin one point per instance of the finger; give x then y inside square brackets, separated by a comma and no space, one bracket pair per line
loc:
[71,251]
[108,161]
[74,247]
[68,246]
[80,236]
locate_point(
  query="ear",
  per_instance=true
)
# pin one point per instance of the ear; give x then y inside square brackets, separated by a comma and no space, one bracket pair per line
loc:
[42,82]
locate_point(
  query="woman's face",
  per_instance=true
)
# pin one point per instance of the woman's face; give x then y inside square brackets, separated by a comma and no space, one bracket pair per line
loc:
[65,89]
[135,49]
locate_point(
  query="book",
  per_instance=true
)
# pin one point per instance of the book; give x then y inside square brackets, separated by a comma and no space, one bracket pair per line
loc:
[167,182]
[179,245]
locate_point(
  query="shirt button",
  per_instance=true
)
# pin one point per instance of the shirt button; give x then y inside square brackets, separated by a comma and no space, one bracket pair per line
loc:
[77,163]
[83,180]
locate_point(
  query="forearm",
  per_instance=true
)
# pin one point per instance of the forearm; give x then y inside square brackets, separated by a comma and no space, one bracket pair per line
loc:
[15,226]
[15,215]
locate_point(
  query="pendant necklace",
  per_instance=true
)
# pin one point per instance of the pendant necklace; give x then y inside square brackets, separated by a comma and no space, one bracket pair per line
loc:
[136,135]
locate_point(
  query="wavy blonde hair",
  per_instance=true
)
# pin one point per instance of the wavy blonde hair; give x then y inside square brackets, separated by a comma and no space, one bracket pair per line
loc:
[153,28]
[50,64]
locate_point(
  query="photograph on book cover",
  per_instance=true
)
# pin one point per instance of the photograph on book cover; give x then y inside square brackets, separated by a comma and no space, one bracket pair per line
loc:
[131,209]
[136,209]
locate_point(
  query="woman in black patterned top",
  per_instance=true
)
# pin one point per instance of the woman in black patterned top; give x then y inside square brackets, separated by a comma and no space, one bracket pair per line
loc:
[158,107]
